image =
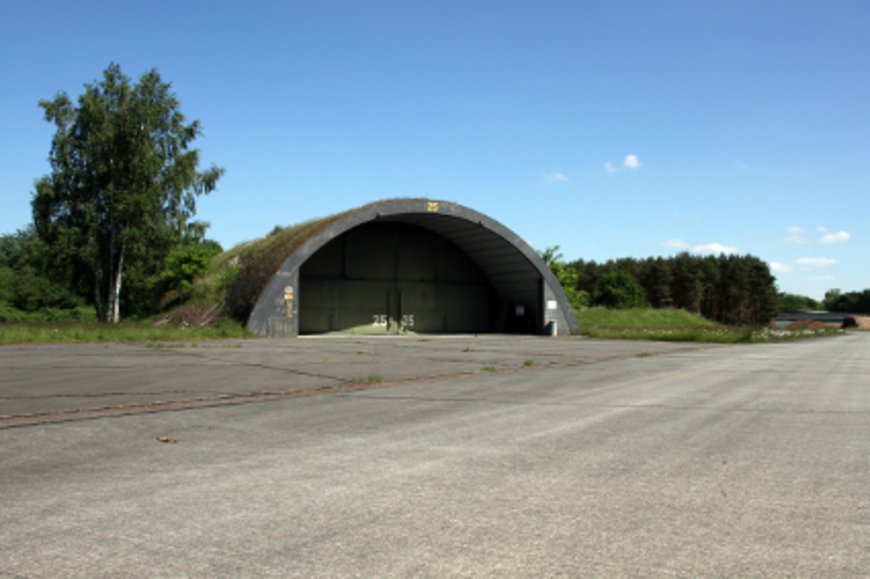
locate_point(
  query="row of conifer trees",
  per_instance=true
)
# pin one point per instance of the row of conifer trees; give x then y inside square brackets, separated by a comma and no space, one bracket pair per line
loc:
[732,289]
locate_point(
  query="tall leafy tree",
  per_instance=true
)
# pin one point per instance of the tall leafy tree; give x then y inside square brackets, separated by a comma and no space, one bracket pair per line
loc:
[832,296]
[123,184]
[762,292]
[619,290]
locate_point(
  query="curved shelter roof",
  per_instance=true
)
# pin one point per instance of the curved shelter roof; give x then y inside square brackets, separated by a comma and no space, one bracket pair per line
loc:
[515,271]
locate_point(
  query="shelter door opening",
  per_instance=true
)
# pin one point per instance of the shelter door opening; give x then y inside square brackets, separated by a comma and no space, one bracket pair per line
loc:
[388,278]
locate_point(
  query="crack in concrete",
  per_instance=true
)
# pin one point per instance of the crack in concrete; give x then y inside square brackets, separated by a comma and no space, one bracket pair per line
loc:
[345,386]
[99,395]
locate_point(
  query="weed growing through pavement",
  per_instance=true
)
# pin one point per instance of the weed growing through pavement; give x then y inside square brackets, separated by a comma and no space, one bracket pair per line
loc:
[368,380]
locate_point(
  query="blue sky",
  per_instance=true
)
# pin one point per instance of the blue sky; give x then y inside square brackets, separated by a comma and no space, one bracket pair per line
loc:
[611,129]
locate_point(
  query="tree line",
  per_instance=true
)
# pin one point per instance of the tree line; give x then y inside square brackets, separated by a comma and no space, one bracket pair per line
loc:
[731,289]
[848,302]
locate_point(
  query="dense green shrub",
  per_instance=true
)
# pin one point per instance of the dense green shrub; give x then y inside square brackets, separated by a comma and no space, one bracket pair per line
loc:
[619,290]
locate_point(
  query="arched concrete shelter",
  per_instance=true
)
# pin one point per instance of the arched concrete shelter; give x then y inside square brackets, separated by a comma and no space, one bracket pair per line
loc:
[411,265]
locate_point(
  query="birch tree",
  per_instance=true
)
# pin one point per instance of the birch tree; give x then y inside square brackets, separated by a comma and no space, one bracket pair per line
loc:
[123,183]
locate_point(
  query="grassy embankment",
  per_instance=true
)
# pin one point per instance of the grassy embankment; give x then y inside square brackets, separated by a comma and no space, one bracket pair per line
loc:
[679,326]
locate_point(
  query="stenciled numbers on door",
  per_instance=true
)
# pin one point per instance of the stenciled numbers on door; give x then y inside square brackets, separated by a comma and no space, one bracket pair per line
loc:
[382,320]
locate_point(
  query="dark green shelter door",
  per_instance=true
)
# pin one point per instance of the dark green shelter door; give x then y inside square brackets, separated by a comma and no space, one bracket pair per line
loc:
[389,278]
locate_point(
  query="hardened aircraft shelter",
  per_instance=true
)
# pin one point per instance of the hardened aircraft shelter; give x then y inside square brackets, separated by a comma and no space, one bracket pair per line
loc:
[409,265]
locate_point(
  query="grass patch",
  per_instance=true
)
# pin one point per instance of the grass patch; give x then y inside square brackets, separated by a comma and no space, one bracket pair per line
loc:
[674,325]
[642,319]
[72,332]
[723,335]
[490,369]
[670,325]
[528,363]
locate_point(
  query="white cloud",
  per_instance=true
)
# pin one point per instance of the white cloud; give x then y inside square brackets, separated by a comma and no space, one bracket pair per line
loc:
[556,177]
[800,235]
[713,249]
[701,249]
[833,238]
[816,261]
[629,163]
[822,278]
[675,244]
[780,267]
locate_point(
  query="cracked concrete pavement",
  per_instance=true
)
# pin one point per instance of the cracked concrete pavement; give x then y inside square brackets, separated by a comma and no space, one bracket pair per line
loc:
[56,378]
[603,459]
